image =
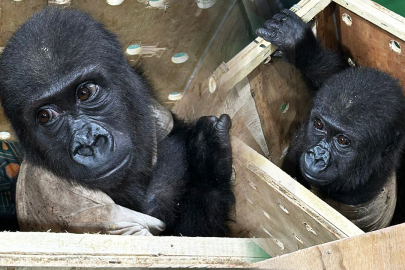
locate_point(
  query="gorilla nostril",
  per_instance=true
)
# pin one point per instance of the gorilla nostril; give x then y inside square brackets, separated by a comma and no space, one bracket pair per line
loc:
[84,151]
[100,141]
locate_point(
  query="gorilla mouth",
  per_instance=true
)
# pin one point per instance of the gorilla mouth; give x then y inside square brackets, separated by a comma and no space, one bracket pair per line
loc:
[117,168]
[314,180]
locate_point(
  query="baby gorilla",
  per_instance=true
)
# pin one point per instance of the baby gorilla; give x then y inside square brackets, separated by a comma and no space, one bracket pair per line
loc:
[350,146]
[81,111]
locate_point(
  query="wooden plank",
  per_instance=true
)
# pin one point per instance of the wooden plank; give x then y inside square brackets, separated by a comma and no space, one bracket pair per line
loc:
[368,45]
[378,15]
[326,29]
[270,204]
[380,250]
[138,252]
[282,102]
[230,73]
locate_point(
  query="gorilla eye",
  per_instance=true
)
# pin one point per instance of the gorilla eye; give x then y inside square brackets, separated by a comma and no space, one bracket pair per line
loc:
[318,123]
[86,91]
[342,140]
[46,115]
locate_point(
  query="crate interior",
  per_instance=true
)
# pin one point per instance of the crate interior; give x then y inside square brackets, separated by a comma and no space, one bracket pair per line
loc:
[266,107]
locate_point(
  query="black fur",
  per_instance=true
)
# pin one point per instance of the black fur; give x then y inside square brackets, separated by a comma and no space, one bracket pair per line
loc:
[361,105]
[104,140]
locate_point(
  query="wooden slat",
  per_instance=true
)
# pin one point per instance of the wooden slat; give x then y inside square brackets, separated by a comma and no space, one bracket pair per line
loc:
[270,204]
[382,250]
[282,102]
[93,250]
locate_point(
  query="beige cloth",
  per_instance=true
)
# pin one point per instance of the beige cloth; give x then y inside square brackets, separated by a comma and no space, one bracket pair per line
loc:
[372,215]
[47,202]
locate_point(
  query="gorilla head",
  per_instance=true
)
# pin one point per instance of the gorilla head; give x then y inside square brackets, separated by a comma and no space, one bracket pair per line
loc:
[68,102]
[354,131]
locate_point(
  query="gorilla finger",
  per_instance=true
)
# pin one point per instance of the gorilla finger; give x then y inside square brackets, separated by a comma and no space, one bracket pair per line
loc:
[278,54]
[267,34]
[224,122]
[289,13]
[206,119]
[272,24]
[279,17]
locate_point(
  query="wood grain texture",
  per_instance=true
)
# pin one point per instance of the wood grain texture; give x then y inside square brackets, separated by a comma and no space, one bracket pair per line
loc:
[382,250]
[138,252]
[282,102]
[368,45]
[378,15]
[326,29]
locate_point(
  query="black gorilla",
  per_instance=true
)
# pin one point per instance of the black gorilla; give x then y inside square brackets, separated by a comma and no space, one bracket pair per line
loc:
[81,111]
[352,141]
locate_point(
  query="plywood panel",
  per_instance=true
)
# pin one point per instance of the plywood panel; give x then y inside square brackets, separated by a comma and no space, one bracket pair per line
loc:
[282,103]
[326,29]
[382,250]
[368,45]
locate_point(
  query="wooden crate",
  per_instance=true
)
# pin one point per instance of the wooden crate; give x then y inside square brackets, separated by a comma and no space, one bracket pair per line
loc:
[274,215]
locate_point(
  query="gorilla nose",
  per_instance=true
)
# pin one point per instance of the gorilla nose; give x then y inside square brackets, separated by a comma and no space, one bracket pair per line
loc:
[91,141]
[87,146]
[321,154]
[317,159]
[84,151]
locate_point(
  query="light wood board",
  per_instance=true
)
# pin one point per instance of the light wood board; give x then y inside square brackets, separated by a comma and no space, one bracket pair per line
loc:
[382,250]
[138,252]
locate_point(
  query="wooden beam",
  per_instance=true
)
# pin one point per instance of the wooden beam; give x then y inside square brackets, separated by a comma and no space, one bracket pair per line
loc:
[58,250]
[380,250]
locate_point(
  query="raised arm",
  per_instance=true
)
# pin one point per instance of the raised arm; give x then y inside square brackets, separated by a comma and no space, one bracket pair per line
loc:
[298,45]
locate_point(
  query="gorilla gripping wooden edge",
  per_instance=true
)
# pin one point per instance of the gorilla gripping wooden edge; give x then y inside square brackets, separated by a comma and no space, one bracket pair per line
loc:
[228,74]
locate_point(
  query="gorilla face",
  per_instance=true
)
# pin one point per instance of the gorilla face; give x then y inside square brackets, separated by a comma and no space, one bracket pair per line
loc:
[96,140]
[69,95]
[330,151]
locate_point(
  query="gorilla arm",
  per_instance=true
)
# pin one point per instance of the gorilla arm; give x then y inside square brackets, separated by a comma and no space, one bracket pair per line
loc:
[298,45]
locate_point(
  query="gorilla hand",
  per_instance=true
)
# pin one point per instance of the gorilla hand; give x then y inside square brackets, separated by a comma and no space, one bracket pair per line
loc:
[289,33]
